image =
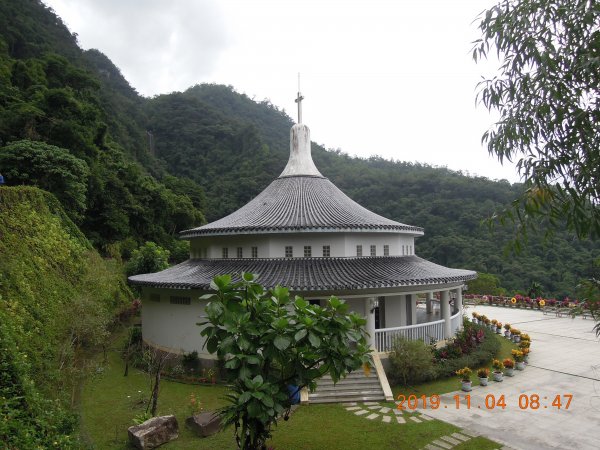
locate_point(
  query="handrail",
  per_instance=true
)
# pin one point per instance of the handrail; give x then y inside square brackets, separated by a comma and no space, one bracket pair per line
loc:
[406,327]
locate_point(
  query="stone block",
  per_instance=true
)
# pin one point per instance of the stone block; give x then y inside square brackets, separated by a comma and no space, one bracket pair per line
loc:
[204,424]
[154,432]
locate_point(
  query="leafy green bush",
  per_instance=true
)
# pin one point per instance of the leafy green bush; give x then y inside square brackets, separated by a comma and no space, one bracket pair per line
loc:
[148,258]
[479,355]
[411,362]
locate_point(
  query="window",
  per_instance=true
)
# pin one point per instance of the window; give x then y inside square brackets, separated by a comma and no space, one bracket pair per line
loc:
[225,253]
[255,252]
[204,253]
[359,250]
[154,297]
[315,302]
[386,250]
[373,250]
[307,251]
[240,252]
[179,300]
[326,251]
[289,251]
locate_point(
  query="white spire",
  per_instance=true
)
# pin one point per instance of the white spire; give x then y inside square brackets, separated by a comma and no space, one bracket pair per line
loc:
[300,162]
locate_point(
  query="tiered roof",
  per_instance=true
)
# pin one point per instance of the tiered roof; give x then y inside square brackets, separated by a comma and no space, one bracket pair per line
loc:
[310,274]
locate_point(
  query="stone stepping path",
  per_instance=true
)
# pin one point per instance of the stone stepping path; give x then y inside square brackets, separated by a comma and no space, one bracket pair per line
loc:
[376,411]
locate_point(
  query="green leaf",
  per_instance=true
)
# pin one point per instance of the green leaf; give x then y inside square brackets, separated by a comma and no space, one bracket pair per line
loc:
[281,323]
[301,303]
[246,395]
[268,401]
[282,342]
[258,381]
[315,341]
[251,359]
[212,344]
[220,283]
[246,276]
[300,335]
[233,363]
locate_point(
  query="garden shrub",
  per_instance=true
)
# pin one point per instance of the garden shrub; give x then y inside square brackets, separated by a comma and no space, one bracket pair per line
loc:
[473,346]
[411,362]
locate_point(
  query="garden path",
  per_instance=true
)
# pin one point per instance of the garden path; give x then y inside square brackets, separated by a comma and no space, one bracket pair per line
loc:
[564,359]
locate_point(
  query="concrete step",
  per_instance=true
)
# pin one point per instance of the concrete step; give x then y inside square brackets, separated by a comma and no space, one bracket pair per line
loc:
[348,399]
[360,381]
[356,387]
[349,387]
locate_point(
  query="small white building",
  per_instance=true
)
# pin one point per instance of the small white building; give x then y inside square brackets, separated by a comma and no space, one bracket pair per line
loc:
[303,233]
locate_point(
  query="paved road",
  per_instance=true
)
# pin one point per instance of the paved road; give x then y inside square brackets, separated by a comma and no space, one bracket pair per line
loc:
[564,359]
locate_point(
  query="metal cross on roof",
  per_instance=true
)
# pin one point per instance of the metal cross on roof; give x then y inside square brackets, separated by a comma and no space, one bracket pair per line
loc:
[299,101]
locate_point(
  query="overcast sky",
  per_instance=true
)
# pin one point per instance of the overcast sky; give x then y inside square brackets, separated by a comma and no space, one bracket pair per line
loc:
[392,78]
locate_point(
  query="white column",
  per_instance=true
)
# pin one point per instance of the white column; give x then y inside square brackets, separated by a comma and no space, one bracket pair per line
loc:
[459,303]
[429,303]
[370,316]
[412,308]
[445,310]
[393,311]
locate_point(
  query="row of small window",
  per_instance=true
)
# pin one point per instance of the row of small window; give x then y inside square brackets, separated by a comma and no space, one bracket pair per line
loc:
[173,299]
[326,253]
[240,252]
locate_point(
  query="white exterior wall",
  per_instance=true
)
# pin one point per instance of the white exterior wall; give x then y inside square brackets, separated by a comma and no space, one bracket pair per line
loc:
[273,245]
[173,327]
[395,311]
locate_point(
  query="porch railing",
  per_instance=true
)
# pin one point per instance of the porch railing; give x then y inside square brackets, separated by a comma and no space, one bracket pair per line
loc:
[384,337]
[456,321]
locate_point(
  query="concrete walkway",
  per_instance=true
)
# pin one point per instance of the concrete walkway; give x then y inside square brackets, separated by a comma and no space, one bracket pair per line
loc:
[564,359]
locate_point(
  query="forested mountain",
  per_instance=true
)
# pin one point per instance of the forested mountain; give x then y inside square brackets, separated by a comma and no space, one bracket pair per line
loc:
[159,165]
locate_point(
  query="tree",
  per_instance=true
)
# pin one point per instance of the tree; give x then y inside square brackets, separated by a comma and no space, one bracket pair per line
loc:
[272,347]
[50,168]
[548,97]
[148,258]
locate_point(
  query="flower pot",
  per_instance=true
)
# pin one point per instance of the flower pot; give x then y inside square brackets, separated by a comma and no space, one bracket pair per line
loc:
[466,386]
[509,371]
[483,381]
[516,338]
[499,330]
[507,334]
[526,359]
[520,365]
[498,376]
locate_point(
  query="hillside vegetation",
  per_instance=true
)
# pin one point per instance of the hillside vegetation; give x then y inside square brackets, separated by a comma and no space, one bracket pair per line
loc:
[151,167]
[58,297]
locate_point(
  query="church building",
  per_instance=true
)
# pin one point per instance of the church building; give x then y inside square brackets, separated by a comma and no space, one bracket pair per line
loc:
[303,233]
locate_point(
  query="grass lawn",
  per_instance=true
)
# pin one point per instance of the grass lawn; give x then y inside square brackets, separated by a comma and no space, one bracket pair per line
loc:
[445,385]
[109,402]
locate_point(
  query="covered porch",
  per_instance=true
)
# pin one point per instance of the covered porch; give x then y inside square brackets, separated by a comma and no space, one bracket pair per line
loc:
[430,316]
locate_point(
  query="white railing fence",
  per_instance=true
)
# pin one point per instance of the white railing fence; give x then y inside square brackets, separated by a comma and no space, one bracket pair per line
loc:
[456,322]
[384,337]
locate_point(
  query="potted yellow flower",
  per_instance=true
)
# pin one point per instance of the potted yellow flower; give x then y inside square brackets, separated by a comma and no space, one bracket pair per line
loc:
[509,367]
[525,351]
[497,365]
[507,330]
[519,357]
[483,375]
[465,378]
[499,328]
[475,317]
[516,335]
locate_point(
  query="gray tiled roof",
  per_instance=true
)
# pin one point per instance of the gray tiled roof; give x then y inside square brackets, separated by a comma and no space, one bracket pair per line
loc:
[310,274]
[300,203]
